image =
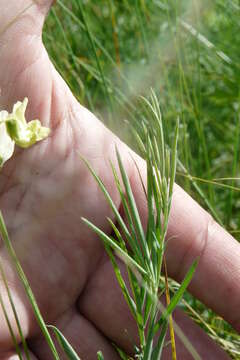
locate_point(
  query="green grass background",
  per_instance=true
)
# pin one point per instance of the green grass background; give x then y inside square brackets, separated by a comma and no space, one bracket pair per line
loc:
[111,52]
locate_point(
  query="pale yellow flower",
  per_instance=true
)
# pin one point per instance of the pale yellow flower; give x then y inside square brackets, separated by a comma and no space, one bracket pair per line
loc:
[24,134]
[14,129]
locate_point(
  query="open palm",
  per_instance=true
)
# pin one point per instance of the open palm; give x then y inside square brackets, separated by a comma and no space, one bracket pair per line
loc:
[44,192]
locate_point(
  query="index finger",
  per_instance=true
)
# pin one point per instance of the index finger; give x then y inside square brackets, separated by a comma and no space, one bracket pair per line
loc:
[193,233]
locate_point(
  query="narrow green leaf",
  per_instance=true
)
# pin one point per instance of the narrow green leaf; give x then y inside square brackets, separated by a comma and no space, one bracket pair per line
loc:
[118,235]
[160,134]
[25,348]
[109,200]
[151,210]
[94,50]
[132,238]
[139,301]
[67,348]
[100,355]
[121,282]
[173,160]
[140,144]
[147,309]
[132,203]
[112,244]
[150,338]
[23,278]
[178,295]
[14,340]
[200,193]
[134,211]
[157,352]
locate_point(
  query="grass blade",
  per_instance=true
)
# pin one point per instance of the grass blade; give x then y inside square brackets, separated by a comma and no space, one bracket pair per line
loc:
[112,244]
[134,211]
[109,200]
[168,301]
[29,293]
[132,239]
[92,43]
[121,282]
[14,340]
[157,352]
[67,348]
[178,295]
[25,348]
[173,161]
[100,356]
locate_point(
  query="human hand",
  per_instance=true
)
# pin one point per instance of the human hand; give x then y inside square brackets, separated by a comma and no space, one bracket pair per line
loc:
[44,192]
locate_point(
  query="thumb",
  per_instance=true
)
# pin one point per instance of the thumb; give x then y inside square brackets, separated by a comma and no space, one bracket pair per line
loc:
[14,12]
[22,55]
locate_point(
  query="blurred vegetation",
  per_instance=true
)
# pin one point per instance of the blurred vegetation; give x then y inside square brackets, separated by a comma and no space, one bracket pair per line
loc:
[110,52]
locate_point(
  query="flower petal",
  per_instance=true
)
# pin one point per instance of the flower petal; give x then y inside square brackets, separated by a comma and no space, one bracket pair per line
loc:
[19,110]
[6,145]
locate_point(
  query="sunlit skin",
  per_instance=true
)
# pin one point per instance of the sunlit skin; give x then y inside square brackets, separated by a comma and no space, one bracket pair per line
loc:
[44,192]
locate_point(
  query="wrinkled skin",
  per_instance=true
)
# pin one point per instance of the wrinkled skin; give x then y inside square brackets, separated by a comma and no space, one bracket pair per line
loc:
[45,190]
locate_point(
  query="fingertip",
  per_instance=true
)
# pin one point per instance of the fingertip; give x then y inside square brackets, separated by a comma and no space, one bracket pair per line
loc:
[44,5]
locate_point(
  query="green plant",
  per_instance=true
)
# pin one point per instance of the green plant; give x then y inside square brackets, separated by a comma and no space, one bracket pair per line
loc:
[143,253]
